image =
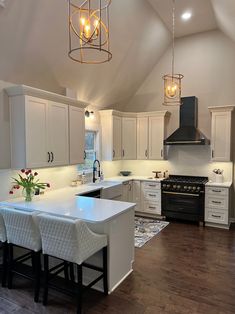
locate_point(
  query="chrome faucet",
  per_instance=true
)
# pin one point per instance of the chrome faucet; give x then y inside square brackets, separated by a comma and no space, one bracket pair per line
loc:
[95,169]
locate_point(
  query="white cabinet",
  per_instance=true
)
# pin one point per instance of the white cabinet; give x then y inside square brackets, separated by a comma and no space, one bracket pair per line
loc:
[136,187]
[117,138]
[76,135]
[57,133]
[39,133]
[221,133]
[217,206]
[111,126]
[156,138]
[151,197]
[142,138]
[128,138]
[151,131]
[127,191]
[44,132]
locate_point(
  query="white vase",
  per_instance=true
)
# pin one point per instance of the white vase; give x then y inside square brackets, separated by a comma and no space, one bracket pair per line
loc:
[219,178]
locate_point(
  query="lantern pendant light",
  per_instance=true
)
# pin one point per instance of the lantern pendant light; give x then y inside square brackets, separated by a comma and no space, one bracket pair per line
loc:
[89,31]
[172,82]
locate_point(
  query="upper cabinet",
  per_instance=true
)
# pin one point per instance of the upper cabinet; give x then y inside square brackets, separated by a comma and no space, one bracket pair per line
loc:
[221,133]
[128,138]
[44,132]
[131,136]
[151,135]
[76,135]
[111,125]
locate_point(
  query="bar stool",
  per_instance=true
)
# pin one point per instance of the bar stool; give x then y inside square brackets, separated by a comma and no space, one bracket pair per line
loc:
[22,231]
[3,240]
[72,241]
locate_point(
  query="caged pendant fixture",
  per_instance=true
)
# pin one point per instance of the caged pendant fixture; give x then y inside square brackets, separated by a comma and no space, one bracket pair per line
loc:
[172,82]
[89,31]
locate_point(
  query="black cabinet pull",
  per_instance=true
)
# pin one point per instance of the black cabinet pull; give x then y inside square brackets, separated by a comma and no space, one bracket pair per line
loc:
[146,153]
[113,153]
[217,191]
[52,157]
[216,202]
[49,157]
[216,216]
[84,155]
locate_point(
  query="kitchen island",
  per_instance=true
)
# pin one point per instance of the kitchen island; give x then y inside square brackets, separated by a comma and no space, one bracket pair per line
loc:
[114,218]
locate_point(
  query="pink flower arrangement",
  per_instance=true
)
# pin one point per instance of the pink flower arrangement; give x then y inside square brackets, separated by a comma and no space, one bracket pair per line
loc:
[27,180]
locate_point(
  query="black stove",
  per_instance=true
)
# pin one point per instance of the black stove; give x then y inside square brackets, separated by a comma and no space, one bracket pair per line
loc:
[186,184]
[183,197]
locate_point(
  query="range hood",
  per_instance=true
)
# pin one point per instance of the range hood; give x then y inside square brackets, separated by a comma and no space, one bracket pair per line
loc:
[188,133]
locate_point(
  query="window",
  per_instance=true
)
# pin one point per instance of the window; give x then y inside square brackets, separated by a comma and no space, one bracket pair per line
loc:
[90,151]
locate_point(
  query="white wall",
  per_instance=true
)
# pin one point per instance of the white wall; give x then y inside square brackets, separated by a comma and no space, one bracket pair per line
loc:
[207,62]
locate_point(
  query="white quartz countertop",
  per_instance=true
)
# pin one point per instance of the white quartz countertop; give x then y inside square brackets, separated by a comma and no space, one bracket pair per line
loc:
[222,185]
[129,178]
[66,202]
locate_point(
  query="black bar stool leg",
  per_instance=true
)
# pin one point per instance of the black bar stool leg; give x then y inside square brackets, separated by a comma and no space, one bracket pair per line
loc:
[4,264]
[105,270]
[66,271]
[79,289]
[46,277]
[71,272]
[10,265]
[37,274]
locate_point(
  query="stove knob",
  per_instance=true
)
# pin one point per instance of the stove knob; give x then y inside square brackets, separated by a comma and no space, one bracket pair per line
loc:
[198,188]
[168,186]
[178,187]
[189,187]
[194,188]
[164,185]
[185,187]
[174,186]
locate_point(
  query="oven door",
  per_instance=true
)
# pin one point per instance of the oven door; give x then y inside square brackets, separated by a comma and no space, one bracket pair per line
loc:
[183,205]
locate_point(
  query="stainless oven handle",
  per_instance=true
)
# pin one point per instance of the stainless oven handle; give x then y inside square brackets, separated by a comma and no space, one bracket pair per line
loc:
[177,193]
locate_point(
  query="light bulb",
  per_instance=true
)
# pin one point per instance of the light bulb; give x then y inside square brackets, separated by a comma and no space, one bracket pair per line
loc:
[96,23]
[171,89]
[82,21]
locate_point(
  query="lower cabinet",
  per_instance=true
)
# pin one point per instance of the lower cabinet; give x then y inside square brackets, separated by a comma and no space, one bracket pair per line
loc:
[217,206]
[147,196]
[127,191]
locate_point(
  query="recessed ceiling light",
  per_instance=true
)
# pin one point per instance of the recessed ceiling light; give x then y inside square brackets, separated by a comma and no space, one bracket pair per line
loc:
[186,16]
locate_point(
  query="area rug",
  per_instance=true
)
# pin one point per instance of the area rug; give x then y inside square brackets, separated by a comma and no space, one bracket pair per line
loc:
[146,228]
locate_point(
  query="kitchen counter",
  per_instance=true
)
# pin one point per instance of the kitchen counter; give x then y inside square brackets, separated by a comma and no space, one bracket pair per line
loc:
[222,185]
[129,178]
[114,218]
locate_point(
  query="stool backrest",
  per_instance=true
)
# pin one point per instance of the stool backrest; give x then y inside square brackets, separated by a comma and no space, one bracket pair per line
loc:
[68,239]
[22,228]
[3,234]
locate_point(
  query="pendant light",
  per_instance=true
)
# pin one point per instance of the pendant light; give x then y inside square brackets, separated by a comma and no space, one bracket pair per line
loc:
[89,31]
[172,82]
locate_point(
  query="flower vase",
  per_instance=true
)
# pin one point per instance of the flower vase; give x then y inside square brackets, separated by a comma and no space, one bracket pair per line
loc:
[28,194]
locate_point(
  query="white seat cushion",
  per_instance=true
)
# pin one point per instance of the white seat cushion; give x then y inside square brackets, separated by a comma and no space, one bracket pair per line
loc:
[22,228]
[68,239]
[3,235]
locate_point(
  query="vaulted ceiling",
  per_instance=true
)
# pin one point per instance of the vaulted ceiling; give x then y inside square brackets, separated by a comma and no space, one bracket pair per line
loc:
[34,41]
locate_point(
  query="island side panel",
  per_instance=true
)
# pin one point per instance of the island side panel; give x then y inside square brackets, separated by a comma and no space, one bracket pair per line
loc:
[120,231]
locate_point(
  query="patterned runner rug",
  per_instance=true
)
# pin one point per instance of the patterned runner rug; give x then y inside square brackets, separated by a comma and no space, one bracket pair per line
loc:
[146,228]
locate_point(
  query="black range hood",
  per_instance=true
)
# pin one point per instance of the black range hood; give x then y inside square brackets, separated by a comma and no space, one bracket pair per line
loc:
[188,133]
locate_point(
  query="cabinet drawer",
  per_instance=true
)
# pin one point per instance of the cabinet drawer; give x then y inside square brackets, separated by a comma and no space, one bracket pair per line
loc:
[154,195]
[152,207]
[217,191]
[217,202]
[216,216]
[151,185]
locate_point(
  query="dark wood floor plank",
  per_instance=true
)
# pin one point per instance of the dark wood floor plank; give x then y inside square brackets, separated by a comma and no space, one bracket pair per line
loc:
[186,269]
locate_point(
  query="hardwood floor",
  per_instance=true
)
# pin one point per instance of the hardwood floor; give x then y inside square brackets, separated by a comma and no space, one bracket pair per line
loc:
[185,269]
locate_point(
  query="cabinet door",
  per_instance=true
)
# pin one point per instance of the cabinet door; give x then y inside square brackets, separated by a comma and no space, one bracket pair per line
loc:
[58,140]
[136,195]
[156,137]
[117,138]
[142,138]
[127,195]
[36,132]
[129,138]
[76,135]
[221,136]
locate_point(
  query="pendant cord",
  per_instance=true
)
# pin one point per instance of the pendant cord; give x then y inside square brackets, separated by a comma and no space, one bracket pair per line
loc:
[173,37]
